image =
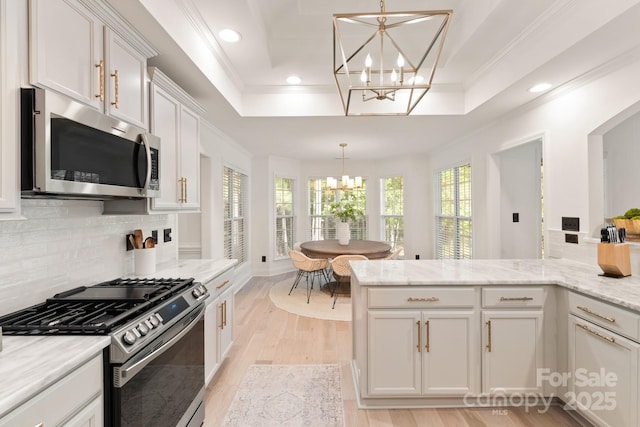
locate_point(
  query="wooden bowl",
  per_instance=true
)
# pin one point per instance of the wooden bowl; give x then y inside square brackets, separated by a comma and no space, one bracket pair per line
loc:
[632,226]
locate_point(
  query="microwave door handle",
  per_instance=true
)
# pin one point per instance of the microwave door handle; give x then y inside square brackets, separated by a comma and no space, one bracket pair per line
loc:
[147,148]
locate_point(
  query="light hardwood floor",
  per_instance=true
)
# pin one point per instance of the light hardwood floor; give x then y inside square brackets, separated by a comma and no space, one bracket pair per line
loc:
[265,334]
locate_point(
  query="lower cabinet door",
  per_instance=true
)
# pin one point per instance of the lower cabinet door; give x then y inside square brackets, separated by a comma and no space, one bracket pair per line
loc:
[395,350]
[604,375]
[513,354]
[450,353]
[91,416]
[225,323]
[210,342]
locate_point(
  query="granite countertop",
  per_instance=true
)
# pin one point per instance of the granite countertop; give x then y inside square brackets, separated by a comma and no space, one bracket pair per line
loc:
[29,364]
[576,276]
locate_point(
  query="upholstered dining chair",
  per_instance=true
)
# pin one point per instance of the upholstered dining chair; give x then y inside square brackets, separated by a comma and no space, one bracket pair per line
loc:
[314,267]
[342,272]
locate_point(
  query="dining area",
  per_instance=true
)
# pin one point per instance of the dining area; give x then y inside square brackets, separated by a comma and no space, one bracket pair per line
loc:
[329,260]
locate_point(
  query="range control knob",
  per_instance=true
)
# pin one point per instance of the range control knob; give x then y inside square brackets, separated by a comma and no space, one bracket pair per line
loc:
[143,329]
[129,337]
[147,324]
[154,321]
[196,292]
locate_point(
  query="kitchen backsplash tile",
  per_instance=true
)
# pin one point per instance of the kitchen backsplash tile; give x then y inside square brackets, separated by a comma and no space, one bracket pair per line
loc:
[63,244]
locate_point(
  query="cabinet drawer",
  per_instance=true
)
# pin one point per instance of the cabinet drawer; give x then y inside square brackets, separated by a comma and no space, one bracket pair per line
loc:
[616,319]
[57,403]
[512,297]
[219,284]
[422,297]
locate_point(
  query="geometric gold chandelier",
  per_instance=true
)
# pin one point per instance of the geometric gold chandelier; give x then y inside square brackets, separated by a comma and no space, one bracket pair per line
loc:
[345,182]
[384,63]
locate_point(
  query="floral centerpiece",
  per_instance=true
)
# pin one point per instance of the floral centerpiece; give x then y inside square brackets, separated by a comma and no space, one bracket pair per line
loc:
[344,212]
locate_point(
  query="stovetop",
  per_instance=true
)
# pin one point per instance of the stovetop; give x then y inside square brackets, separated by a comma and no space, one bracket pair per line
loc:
[98,309]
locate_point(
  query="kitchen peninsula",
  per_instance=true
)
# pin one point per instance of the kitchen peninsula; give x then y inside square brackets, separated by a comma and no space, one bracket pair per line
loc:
[496,333]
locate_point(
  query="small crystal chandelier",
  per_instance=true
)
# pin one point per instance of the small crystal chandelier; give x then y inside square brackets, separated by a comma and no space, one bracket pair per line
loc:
[379,68]
[345,182]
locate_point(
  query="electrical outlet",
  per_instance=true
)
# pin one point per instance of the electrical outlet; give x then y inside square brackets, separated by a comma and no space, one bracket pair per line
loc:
[154,234]
[417,256]
[516,217]
[264,258]
[570,223]
[571,238]
[167,235]
[128,241]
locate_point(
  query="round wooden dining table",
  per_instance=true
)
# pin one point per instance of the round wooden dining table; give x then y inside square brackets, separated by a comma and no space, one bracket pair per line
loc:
[372,249]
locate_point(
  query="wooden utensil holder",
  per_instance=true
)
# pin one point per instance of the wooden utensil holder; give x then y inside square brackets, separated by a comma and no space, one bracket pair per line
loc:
[614,259]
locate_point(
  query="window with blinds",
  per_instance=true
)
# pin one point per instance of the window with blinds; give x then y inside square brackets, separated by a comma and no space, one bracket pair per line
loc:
[284,216]
[393,210]
[453,221]
[322,224]
[235,214]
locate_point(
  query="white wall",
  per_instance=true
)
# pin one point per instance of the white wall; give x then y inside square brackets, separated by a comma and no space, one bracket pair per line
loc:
[565,121]
[62,244]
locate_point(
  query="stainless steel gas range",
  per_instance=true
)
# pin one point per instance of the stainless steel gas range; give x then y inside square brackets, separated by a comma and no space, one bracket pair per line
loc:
[154,367]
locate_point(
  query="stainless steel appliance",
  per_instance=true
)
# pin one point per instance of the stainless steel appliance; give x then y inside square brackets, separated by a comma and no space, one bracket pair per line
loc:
[71,150]
[155,364]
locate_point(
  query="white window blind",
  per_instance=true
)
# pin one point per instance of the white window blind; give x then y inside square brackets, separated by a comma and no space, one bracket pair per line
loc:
[453,221]
[393,210]
[235,210]
[322,225]
[284,216]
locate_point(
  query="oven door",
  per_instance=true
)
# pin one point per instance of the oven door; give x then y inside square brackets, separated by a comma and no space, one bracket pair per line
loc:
[163,384]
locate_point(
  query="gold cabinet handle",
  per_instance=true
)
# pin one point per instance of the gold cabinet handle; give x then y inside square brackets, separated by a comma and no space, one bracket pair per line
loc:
[222,285]
[430,299]
[101,78]
[593,313]
[596,333]
[419,333]
[183,190]
[516,298]
[39,425]
[115,76]
[489,335]
[427,344]
[224,321]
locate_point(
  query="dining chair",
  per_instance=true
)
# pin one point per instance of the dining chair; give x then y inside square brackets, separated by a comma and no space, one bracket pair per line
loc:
[314,267]
[342,272]
[394,254]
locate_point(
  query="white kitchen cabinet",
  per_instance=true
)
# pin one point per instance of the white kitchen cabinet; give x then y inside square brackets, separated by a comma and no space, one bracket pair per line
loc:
[9,115]
[513,351]
[75,400]
[429,353]
[604,353]
[218,320]
[84,50]
[175,118]
[415,351]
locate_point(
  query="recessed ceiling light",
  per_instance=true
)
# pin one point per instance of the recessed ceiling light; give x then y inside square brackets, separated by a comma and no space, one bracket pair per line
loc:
[294,80]
[540,87]
[229,35]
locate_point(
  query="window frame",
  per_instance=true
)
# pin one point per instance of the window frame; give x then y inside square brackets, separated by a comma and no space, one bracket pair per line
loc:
[230,245]
[458,249]
[277,217]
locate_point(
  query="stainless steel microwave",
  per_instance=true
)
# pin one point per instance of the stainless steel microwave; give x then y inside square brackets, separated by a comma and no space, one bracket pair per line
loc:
[71,150]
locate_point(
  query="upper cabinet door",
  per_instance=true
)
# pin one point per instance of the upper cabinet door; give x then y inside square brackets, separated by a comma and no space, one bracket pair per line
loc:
[190,158]
[126,91]
[66,50]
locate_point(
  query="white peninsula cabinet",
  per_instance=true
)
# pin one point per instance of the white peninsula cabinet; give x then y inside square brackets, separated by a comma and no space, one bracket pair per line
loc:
[512,319]
[218,322]
[175,118]
[604,352]
[422,342]
[85,50]
[74,401]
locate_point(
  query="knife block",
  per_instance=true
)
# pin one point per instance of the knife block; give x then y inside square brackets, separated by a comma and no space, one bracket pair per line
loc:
[614,259]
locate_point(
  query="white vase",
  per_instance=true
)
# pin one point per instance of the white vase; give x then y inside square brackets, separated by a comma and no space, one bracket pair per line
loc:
[344,234]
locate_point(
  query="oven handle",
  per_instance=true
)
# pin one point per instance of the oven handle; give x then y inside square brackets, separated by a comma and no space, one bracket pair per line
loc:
[130,372]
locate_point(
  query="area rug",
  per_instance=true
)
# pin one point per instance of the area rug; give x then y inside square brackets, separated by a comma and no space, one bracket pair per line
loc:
[319,305]
[288,395]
